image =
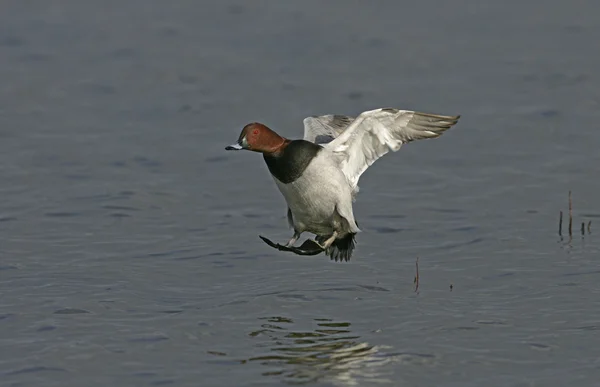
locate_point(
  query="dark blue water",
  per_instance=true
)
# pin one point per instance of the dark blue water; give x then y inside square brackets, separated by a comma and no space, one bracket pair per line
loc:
[129,250]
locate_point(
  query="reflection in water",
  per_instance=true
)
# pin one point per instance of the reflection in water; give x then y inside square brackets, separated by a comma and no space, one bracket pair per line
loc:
[329,352]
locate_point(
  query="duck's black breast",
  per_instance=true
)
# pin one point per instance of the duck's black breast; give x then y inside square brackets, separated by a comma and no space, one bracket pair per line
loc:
[289,164]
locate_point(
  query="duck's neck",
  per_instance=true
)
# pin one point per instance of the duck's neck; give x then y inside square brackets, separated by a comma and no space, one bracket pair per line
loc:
[290,161]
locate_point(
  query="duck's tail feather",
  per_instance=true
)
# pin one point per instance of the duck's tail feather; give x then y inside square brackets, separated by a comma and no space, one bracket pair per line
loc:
[341,249]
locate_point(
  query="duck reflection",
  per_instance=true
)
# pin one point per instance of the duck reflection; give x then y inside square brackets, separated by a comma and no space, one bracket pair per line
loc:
[329,351]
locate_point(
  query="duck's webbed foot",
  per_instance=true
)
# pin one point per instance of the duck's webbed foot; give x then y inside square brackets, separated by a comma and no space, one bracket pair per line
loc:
[309,247]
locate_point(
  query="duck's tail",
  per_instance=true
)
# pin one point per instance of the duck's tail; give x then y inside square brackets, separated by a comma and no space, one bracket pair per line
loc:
[341,249]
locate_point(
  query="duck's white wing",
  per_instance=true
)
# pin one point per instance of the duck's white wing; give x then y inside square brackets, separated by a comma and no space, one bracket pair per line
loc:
[376,132]
[323,129]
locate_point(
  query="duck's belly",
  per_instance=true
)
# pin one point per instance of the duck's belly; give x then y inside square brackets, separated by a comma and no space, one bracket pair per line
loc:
[313,198]
[311,211]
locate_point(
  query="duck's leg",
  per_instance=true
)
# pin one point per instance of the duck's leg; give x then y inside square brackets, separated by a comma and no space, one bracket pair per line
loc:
[294,239]
[329,241]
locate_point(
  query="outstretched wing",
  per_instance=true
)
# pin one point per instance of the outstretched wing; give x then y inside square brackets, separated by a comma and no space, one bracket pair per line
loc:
[323,129]
[374,133]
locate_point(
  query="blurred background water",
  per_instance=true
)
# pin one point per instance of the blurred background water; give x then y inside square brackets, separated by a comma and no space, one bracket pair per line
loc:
[129,250]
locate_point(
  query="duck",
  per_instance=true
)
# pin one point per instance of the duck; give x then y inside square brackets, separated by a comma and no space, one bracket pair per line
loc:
[318,175]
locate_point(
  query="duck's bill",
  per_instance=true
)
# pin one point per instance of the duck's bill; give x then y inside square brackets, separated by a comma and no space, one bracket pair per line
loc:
[234,147]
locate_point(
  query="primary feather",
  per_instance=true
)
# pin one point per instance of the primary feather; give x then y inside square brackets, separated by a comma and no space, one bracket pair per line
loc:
[359,142]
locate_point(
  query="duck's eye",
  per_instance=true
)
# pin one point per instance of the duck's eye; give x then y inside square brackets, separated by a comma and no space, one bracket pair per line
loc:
[255,132]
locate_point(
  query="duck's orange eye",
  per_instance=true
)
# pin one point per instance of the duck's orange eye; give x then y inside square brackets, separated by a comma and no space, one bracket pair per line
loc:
[255,132]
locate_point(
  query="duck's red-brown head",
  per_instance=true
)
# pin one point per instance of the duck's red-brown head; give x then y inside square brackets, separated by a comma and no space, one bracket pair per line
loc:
[258,138]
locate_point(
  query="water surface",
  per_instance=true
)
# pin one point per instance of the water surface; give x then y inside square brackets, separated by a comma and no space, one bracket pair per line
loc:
[130,252]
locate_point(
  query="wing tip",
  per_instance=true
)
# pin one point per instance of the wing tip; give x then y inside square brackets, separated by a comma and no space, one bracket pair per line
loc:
[439,116]
[439,122]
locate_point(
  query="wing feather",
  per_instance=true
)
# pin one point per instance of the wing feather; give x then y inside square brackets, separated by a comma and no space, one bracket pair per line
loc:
[376,132]
[323,129]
